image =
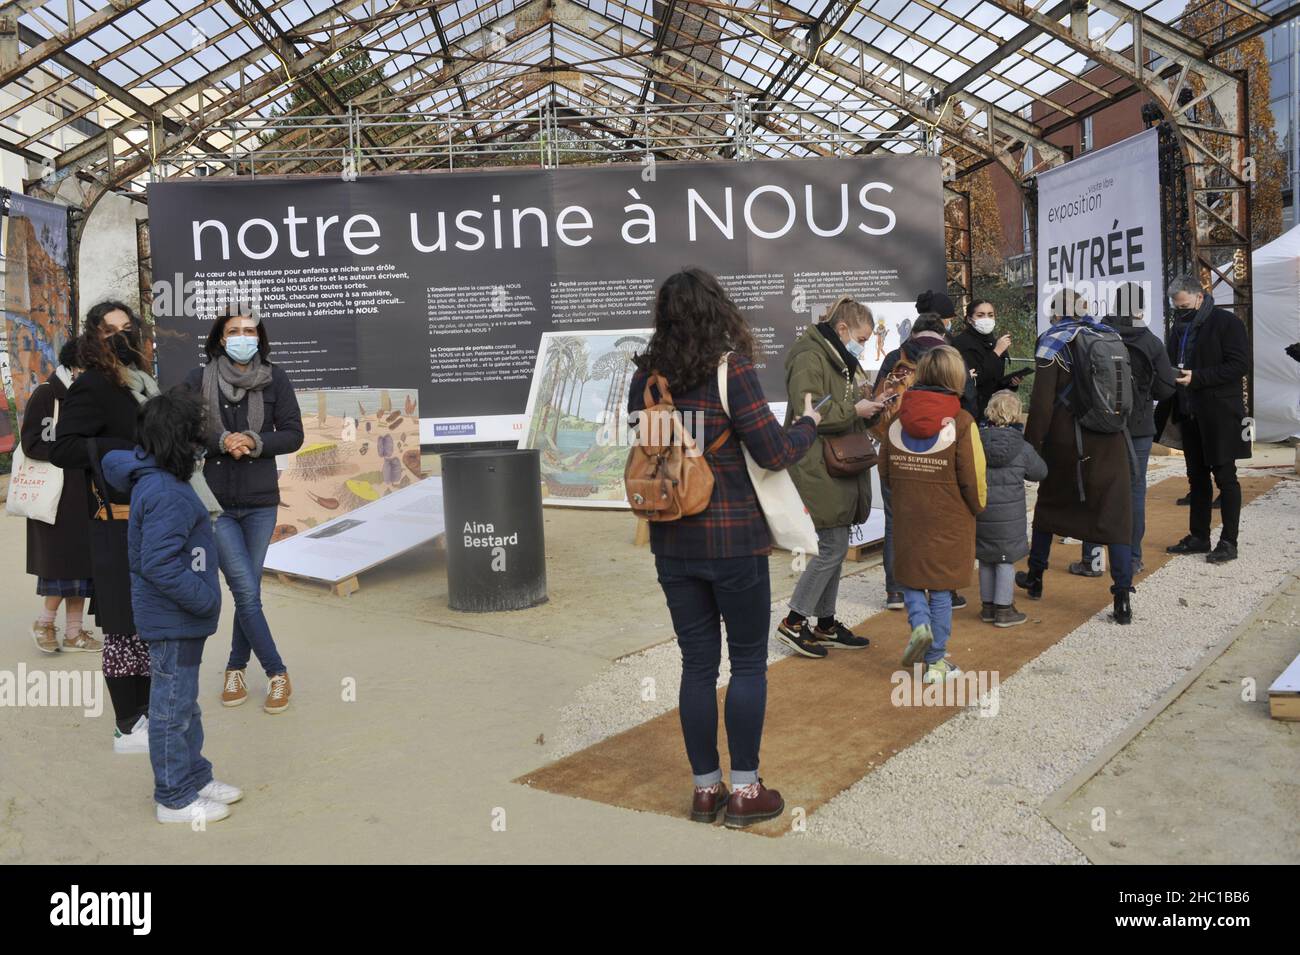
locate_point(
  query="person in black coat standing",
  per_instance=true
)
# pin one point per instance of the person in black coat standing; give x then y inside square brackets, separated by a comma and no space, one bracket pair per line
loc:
[252,415]
[1153,380]
[1211,350]
[98,416]
[984,350]
[58,554]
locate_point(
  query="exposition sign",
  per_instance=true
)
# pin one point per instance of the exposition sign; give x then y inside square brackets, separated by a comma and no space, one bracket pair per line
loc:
[447,281]
[1099,228]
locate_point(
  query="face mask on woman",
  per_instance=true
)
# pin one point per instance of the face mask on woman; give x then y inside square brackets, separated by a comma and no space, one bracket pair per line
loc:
[855,347]
[983,325]
[241,348]
[124,348]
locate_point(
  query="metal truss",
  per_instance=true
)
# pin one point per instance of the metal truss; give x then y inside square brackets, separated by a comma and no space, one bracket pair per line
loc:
[112,92]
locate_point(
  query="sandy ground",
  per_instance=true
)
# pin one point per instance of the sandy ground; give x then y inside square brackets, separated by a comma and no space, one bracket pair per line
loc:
[449,708]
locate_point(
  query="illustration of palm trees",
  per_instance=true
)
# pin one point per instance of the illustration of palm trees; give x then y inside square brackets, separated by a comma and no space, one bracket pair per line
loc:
[559,361]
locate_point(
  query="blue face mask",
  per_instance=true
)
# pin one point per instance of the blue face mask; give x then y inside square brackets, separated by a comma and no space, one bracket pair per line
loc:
[241,348]
[855,347]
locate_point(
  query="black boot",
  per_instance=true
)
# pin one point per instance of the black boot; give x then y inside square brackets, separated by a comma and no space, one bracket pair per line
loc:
[1123,611]
[1031,581]
[1223,552]
[1189,545]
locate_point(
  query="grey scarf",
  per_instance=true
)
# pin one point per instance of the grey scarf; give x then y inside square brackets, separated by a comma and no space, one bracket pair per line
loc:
[221,376]
[143,387]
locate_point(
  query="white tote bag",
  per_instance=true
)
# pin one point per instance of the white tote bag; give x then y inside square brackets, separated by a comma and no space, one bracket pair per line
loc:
[788,520]
[34,486]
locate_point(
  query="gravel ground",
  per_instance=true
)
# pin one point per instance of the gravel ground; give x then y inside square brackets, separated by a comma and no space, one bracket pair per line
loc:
[617,701]
[969,791]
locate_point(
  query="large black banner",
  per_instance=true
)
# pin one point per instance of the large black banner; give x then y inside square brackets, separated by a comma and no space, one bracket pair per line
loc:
[448,280]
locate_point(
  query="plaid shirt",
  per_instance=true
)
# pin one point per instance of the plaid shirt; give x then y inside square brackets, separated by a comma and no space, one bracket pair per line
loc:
[732,525]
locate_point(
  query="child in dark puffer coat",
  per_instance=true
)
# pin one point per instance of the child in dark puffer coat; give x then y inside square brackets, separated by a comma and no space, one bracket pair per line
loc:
[175,599]
[1001,534]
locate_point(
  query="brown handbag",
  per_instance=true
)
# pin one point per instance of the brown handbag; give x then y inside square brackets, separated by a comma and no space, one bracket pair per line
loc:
[848,455]
[666,477]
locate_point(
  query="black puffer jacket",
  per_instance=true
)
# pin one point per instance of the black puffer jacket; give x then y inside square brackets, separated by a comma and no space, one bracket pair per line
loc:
[253,481]
[1001,531]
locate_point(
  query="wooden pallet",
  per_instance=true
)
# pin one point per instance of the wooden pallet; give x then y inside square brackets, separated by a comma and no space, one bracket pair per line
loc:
[860,552]
[343,588]
[1284,694]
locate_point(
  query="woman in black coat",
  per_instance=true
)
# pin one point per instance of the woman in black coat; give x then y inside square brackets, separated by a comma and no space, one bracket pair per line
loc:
[98,416]
[984,349]
[252,416]
[58,554]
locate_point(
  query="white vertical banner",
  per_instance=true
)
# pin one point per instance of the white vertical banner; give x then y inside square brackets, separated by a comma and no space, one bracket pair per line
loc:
[1099,228]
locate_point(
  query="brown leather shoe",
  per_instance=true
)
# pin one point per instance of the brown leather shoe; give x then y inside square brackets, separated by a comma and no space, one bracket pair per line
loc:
[751,804]
[278,692]
[234,691]
[709,803]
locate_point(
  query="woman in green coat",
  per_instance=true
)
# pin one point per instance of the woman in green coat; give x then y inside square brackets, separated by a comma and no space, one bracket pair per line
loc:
[824,361]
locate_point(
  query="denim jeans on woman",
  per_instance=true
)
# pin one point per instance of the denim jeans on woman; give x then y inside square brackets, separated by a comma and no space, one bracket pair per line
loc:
[819,585]
[1121,559]
[702,595]
[175,722]
[243,535]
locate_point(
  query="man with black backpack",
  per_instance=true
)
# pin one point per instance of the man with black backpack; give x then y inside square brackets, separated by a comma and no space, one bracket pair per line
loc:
[1153,380]
[1078,417]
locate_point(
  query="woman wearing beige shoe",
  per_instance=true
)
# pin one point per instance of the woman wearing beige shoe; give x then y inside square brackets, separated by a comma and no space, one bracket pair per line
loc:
[58,554]
[253,416]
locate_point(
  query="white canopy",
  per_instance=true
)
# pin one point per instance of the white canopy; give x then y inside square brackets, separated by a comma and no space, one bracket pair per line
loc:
[1276,283]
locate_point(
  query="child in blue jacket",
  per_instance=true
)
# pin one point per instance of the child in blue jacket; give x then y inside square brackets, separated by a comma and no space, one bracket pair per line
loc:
[175,599]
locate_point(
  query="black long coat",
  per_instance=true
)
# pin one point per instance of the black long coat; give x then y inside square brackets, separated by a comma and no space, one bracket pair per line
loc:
[99,408]
[1106,514]
[1219,361]
[58,551]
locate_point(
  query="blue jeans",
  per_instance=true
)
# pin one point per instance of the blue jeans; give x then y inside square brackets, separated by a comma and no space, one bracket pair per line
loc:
[933,608]
[175,722]
[890,586]
[1142,446]
[1121,559]
[243,535]
[701,595]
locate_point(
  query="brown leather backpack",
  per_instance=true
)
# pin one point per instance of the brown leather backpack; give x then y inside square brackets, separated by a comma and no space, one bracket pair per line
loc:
[666,477]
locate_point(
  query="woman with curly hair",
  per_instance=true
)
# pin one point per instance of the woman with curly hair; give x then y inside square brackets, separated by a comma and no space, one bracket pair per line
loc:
[712,566]
[99,416]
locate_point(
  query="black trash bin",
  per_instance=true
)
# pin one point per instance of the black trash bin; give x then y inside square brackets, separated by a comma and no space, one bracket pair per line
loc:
[496,549]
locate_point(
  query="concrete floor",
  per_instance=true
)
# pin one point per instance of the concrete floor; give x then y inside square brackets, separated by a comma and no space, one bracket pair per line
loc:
[1211,779]
[451,707]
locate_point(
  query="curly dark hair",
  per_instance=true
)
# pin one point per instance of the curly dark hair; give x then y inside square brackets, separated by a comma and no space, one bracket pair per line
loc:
[696,323]
[96,351]
[170,427]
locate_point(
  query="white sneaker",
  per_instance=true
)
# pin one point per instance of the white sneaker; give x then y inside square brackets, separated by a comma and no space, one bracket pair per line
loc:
[136,741]
[223,793]
[206,810]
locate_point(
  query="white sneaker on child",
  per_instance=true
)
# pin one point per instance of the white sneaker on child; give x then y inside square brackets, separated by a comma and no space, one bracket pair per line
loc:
[223,793]
[207,810]
[136,741]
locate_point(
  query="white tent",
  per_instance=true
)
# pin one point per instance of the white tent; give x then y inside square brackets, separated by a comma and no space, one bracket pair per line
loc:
[1277,324]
